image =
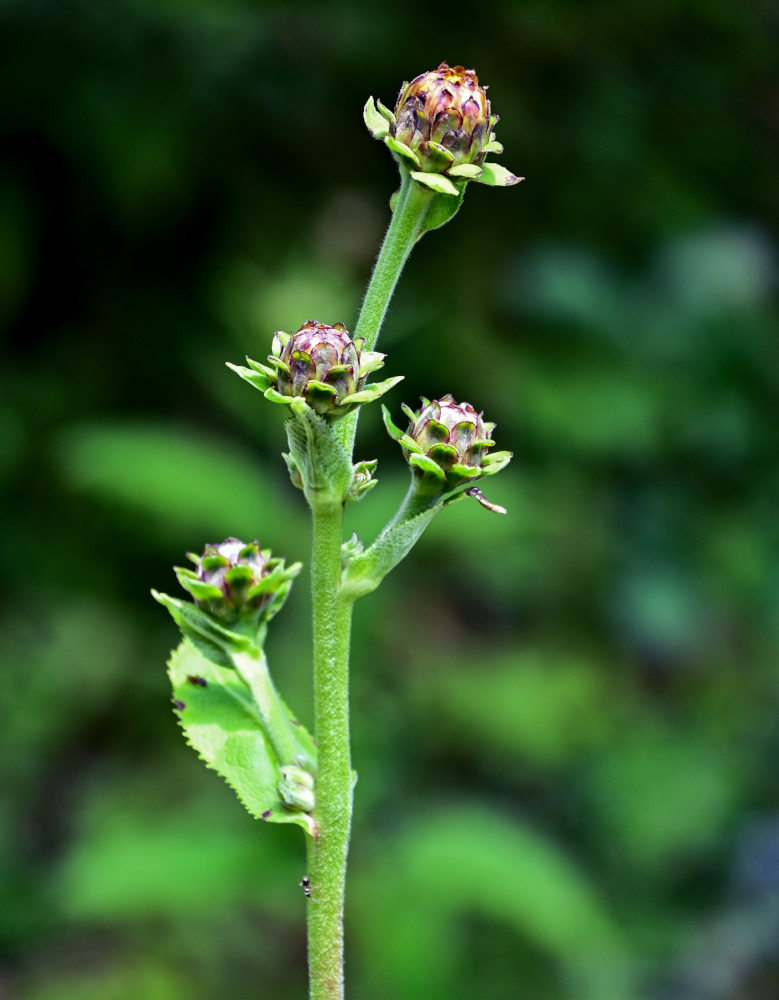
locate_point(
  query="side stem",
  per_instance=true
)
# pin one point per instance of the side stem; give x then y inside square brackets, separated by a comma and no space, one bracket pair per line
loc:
[328,848]
[413,201]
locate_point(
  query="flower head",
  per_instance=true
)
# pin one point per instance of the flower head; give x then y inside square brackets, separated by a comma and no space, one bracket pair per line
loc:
[237,581]
[320,364]
[442,125]
[446,445]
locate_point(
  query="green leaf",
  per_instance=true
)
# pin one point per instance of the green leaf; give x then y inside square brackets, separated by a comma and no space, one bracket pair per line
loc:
[375,122]
[213,640]
[219,724]
[318,454]
[494,175]
[365,571]
[436,182]
[493,146]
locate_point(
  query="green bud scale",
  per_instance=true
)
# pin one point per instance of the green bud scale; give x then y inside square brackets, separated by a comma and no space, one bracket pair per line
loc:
[237,582]
[441,130]
[446,445]
[320,364]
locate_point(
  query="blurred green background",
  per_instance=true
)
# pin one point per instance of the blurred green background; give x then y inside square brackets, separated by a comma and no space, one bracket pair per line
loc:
[565,719]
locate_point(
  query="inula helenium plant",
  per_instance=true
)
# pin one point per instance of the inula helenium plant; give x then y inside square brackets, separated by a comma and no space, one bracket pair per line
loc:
[441,136]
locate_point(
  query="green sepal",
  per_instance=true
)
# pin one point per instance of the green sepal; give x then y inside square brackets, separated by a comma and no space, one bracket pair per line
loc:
[260,380]
[467,170]
[436,182]
[384,110]
[263,369]
[321,396]
[427,467]
[324,466]
[495,462]
[198,589]
[274,396]
[214,641]
[392,429]
[435,157]
[493,146]
[371,392]
[376,123]
[458,474]
[495,175]
[219,720]
[402,150]
[364,571]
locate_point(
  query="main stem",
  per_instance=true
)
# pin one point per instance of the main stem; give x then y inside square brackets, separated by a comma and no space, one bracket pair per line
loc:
[328,848]
[413,201]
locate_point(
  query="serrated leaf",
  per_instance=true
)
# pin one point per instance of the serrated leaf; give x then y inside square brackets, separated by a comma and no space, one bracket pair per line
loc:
[436,182]
[218,723]
[375,122]
[495,175]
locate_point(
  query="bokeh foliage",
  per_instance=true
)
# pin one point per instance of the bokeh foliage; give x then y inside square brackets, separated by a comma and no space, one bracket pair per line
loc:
[564,720]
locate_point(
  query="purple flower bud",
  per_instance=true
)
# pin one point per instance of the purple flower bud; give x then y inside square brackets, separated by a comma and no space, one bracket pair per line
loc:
[237,581]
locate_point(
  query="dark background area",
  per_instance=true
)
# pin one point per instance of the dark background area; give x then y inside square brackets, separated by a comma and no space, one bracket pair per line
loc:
[564,719]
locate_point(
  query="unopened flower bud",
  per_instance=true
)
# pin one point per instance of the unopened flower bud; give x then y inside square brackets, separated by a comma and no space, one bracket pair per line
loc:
[447,445]
[442,125]
[322,365]
[236,582]
[296,788]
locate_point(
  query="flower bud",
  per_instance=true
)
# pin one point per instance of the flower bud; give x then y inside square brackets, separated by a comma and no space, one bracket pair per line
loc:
[296,788]
[237,582]
[442,124]
[446,445]
[322,365]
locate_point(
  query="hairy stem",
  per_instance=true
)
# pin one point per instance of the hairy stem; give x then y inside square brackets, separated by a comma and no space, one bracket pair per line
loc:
[328,848]
[411,206]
